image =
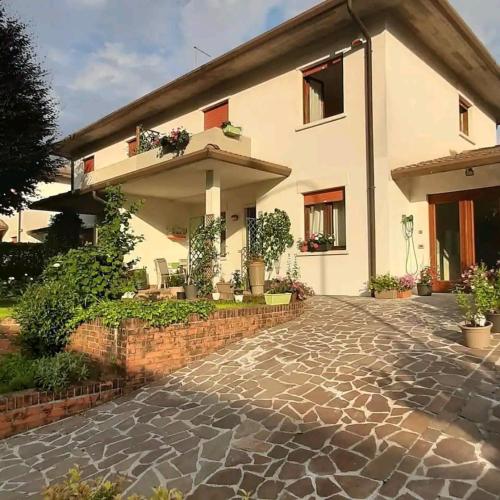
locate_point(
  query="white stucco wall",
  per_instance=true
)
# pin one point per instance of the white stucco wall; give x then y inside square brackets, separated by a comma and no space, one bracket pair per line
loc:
[415,119]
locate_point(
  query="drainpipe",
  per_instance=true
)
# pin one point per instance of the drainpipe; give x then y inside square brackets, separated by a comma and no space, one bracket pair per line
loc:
[370,159]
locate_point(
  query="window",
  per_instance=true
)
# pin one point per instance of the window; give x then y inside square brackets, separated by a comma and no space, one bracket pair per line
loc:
[463,107]
[323,90]
[223,235]
[88,165]
[325,214]
[132,146]
[216,115]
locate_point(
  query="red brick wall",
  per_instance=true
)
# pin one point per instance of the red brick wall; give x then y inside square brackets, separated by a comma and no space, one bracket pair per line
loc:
[150,352]
[8,332]
[19,413]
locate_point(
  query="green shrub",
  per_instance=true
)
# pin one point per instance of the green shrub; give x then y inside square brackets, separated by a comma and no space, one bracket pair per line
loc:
[63,233]
[383,282]
[18,260]
[17,372]
[159,313]
[44,313]
[59,372]
[53,373]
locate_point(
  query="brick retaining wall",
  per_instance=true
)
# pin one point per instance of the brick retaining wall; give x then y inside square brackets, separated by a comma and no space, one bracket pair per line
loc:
[151,352]
[20,412]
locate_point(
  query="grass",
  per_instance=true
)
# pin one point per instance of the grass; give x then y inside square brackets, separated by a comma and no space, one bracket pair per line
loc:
[7,307]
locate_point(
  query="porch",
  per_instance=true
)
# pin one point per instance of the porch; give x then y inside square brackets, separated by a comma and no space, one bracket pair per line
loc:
[179,192]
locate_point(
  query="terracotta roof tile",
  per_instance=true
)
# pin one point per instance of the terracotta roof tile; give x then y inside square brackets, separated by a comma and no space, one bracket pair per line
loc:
[465,159]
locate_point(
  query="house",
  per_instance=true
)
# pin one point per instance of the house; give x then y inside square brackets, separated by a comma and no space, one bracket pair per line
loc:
[373,120]
[30,226]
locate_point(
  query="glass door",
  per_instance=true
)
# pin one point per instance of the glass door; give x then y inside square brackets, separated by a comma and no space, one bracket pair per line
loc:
[464,229]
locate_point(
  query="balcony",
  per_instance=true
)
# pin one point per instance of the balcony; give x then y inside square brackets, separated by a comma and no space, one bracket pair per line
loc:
[152,161]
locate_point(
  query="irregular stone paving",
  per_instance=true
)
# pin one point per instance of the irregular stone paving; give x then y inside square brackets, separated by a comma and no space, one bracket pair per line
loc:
[356,399]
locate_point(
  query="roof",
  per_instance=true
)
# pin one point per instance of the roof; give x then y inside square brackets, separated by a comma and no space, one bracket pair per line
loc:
[434,22]
[466,159]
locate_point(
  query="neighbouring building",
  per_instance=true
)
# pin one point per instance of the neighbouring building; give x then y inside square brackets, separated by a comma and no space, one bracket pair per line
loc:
[404,176]
[30,226]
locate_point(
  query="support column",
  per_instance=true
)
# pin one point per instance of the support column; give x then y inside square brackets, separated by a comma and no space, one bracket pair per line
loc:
[212,204]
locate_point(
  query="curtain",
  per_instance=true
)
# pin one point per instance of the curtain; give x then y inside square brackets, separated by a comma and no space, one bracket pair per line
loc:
[338,223]
[316,219]
[315,100]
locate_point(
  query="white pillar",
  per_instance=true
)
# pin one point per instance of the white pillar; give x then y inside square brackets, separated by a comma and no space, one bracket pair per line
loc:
[212,203]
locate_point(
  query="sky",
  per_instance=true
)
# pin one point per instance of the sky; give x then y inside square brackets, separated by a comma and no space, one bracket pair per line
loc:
[101,54]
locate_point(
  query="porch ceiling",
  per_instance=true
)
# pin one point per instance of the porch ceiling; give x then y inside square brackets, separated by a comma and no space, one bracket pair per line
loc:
[184,177]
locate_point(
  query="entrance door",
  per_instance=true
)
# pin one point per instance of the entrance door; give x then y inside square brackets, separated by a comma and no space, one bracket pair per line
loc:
[464,230]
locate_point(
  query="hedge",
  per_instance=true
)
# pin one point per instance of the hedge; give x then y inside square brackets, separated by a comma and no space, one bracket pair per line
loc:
[19,259]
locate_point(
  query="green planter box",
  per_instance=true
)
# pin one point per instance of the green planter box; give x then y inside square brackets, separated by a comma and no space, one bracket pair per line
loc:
[232,131]
[277,299]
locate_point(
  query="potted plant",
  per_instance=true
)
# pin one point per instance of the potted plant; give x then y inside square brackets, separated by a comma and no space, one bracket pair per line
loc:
[493,314]
[424,285]
[190,289]
[279,293]
[237,283]
[225,289]
[405,286]
[384,286]
[272,237]
[175,142]
[230,130]
[475,297]
[215,293]
[303,246]
[176,284]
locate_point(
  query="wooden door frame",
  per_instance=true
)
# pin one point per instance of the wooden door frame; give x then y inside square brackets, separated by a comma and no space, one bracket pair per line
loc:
[465,200]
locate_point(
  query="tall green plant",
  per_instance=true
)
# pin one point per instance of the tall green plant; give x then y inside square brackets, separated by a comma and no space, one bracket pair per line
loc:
[272,237]
[205,255]
[64,233]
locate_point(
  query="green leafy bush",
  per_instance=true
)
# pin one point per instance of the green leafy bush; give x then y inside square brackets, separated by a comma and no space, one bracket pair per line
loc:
[53,373]
[159,313]
[59,372]
[64,233]
[44,313]
[383,282]
[20,260]
[17,372]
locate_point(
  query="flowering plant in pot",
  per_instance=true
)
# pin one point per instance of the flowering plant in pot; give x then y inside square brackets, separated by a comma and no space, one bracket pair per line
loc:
[425,279]
[303,245]
[405,286]
[475,296]
[319,242]
[384,286]
[175,142]
[230,130]
[237,283]
[279,292]
[493,314]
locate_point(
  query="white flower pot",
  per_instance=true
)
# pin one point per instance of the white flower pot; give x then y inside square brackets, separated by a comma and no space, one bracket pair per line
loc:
[216,295]
[238,298]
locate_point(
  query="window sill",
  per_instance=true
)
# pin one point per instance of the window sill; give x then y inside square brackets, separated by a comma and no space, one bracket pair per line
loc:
[319,254]
[321,122]
[467,138]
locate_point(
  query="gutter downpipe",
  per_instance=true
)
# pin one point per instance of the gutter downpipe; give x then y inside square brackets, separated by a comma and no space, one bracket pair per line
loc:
[370,158]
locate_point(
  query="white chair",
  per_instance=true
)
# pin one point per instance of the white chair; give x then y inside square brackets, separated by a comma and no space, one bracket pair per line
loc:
[162,273]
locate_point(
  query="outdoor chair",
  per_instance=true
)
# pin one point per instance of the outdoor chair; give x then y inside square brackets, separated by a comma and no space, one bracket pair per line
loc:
[165,270]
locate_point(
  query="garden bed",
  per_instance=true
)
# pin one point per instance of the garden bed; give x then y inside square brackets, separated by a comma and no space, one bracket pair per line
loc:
[149,352]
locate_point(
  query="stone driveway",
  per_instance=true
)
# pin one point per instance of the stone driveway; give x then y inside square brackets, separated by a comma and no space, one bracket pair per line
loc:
[356,399]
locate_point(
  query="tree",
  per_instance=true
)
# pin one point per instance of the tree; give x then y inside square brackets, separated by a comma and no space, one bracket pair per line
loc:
[28,117]
[64,233]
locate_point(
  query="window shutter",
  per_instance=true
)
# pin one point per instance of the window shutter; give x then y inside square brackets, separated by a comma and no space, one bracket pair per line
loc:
[215,116]
[132,146]
[88,165]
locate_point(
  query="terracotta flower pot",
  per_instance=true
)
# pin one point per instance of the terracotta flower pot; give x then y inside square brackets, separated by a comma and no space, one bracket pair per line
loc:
[404,294]
[386,294]
[477,337]
[424,290]
[256,272]
[495,320]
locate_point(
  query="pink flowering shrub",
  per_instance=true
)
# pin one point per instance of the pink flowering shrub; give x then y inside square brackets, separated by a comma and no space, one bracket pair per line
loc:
[406,282]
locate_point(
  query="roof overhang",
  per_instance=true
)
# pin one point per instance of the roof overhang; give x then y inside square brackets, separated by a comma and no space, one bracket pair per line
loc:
[82,203]
[468,159]
[434,22]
